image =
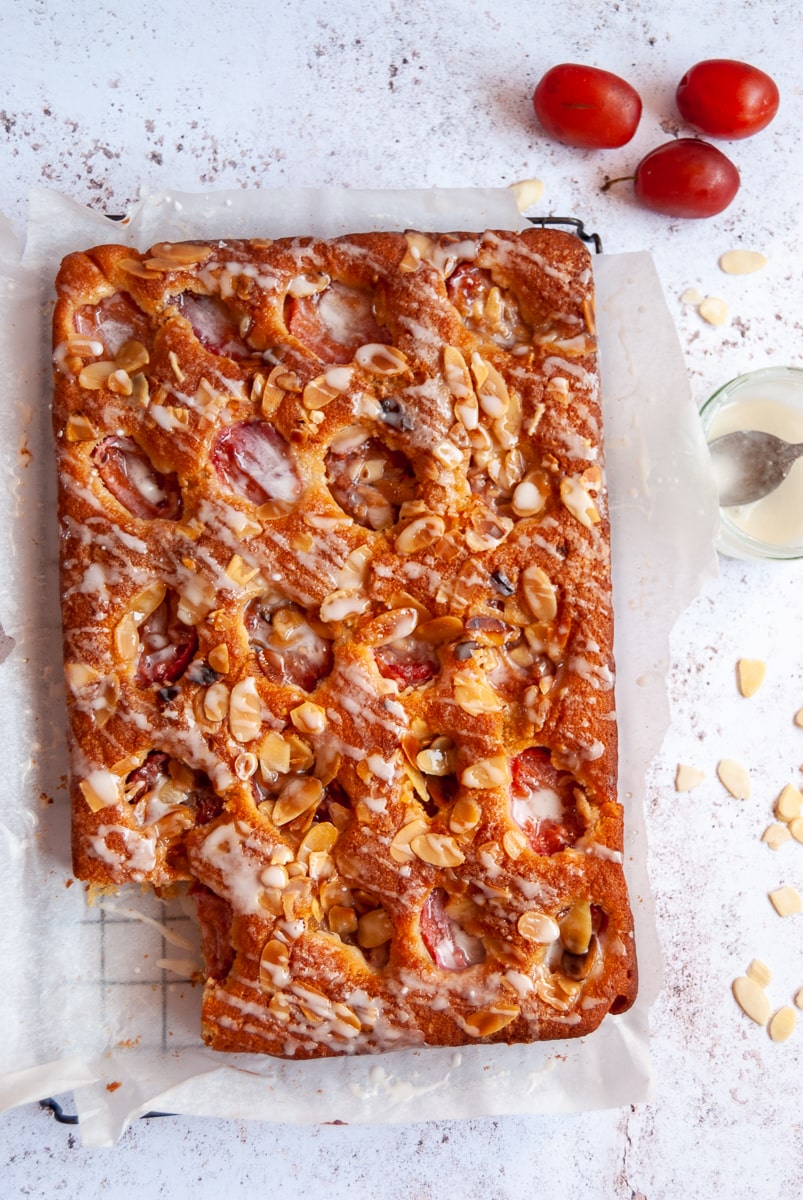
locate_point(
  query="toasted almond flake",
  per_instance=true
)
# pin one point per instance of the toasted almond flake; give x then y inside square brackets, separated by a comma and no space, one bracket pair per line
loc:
[514,843]
[786,901]
[182,254]
[713,310]
[750,673]
[216,701]
[475,696]
[308,284]
[239,571]
[389,627]
[485,1022]
[734,778]
[538,927]
[140,393]
[576,499]
[487,773]
[308,717]
[126,638]
[539,592]
[100,789]
[437,849]
[379,359]
[760,972]
[274,753]
[789,804]
[78,675]
[298,795]
[399,848]
[799,998]
[527,192]
[420,534]
[795,828]
[245,711]
[741,262]
[343,603]
[692,295]
[218,658]
[687,778]
[752,999]
[782,1024]
[776,834]
[465,815]
[374,928]
[576,928]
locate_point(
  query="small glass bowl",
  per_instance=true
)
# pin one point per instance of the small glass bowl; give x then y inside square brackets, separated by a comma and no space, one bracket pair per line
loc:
[771,400]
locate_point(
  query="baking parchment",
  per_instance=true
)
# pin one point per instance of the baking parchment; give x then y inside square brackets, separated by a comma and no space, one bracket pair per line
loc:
[98,1000]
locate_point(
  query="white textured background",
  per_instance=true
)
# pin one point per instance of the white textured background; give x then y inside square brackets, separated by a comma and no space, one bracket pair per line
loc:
[111,100]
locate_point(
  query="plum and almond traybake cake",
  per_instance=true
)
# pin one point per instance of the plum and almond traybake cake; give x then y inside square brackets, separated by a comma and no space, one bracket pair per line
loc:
[338,625]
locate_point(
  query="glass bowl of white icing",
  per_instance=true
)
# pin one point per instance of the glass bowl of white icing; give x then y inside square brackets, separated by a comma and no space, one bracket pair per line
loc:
[770,400]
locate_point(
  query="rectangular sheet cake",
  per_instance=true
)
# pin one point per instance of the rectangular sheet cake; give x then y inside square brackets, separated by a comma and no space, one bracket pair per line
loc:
[338,629]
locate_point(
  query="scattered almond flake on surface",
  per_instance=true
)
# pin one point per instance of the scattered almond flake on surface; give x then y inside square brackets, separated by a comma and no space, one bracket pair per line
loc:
[687,778]
[789,803]
[734,778]
[799,717]
[527,192]
[799,998]
[776,834]
[713,310]
[750,672]
[760,972]
[786,901]
[742,262]
[796,829]
[692,296]
[752,999]
[783,1024]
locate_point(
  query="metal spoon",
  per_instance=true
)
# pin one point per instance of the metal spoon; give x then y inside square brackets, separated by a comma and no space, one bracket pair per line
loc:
[749,465]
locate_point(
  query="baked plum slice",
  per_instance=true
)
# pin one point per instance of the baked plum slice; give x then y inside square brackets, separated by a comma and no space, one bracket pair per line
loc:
[542,802]
[252,459]
[335,322]
[128,473]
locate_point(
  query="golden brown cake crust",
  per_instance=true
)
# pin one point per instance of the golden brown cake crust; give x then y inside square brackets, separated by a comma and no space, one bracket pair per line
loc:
[338,628]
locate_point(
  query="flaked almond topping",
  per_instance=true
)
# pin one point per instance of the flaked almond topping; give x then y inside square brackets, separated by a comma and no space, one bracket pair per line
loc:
[93,377]
[419,247]
[465,815]
[399,848]
[760,972]
[487,773]
[485,1022]
[308,284]
[734,778]
[789,804]
[342,920]
[577,500]
[175,366]
[420,534]
[343,603]
[389,627]
[120,383]
[539,593]
[321,838]
[239,571]
[374,928]
[353,572]
[576,928]
[798,718]
[245,765]
[379,359]
[297,796]
[776,834]
[245,711]
[475,696]
[687,778]
[750,673]
[216,701]
[795,828]
[79,428]
[448,454]
[752,999]
[308,717]
[437,849]
[786,901]
[133,266]
[218,658]
[514,843]
[528,499]
[79,675]
[140,392]
[177,254]
[458,379]
[85,347]
[492,391]
[326,388]
[274,754]
[100,789]
[538,927]
[126,638]
[436,760]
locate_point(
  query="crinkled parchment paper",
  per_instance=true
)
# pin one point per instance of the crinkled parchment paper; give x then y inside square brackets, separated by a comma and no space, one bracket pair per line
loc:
[98,1000]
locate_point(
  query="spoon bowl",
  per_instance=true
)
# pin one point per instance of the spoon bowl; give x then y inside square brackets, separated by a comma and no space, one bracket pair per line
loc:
[750,464]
